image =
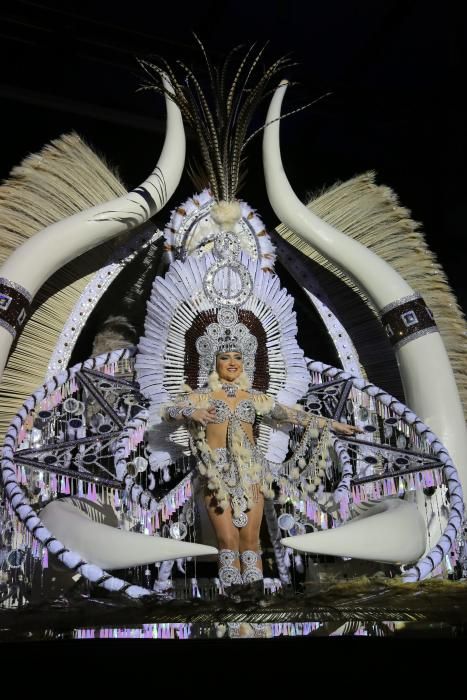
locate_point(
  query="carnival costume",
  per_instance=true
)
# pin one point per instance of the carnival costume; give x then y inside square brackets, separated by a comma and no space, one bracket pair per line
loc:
[217,302]
[89,434]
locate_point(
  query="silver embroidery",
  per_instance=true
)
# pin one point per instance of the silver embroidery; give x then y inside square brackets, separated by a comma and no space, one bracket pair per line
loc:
[251,572]
[399,302]
[228,573]
[181,407]
[241,520]
[244,411]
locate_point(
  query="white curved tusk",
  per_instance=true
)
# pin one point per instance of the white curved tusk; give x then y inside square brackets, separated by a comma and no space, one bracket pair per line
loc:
[429,384]
[379,534]
[111,548]
[34,261]
[349,254]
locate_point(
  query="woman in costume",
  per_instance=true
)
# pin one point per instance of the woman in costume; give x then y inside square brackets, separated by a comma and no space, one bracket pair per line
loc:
[225,325]
[221,417]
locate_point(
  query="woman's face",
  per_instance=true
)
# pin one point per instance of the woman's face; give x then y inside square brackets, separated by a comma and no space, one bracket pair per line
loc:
[229,365]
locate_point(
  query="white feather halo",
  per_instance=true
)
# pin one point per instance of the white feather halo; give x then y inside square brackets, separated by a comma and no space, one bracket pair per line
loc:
[175,303]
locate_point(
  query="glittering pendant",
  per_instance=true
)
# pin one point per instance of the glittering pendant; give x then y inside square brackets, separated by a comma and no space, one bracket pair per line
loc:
[241,520]
[230,389]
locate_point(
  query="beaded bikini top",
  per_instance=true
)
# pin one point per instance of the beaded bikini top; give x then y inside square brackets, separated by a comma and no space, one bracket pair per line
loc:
[243,411]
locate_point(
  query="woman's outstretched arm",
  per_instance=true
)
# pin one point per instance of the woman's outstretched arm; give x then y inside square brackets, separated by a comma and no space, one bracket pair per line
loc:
[297,416]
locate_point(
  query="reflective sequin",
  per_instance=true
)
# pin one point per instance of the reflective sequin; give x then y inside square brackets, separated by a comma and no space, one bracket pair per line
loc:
[244,411]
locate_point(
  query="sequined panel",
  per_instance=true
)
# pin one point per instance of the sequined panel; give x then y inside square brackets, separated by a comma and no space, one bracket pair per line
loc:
[244,411]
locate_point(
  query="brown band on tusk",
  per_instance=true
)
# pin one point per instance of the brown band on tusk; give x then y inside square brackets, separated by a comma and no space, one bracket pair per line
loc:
[15,301]
[406,319]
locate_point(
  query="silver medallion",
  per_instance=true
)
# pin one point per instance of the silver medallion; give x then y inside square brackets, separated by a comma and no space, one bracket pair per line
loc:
[241,520]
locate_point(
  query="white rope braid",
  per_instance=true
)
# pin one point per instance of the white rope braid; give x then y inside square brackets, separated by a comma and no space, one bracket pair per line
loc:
[20,503]
[425,565]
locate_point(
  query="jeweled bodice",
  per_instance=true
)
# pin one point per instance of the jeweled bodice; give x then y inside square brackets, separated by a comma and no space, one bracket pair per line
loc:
[243,411]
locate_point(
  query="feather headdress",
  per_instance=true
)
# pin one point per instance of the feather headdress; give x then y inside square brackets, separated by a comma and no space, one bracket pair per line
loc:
[221,113]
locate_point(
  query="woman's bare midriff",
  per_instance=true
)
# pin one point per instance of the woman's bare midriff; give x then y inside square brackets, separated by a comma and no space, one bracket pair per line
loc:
[216,434]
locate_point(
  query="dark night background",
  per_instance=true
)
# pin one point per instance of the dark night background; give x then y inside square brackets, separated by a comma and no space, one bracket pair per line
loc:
[395,70]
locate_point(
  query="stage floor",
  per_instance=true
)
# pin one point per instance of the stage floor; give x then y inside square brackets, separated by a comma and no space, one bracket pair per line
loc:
[376,607]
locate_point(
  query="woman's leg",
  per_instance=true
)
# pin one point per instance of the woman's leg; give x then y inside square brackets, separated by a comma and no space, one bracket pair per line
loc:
[250,557]
[228,542]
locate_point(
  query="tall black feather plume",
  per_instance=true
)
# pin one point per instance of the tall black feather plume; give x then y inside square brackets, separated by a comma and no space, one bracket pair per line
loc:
[221,112]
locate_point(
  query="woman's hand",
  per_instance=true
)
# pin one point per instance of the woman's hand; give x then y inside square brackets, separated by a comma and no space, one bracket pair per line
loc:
[204,415]
[344,428]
